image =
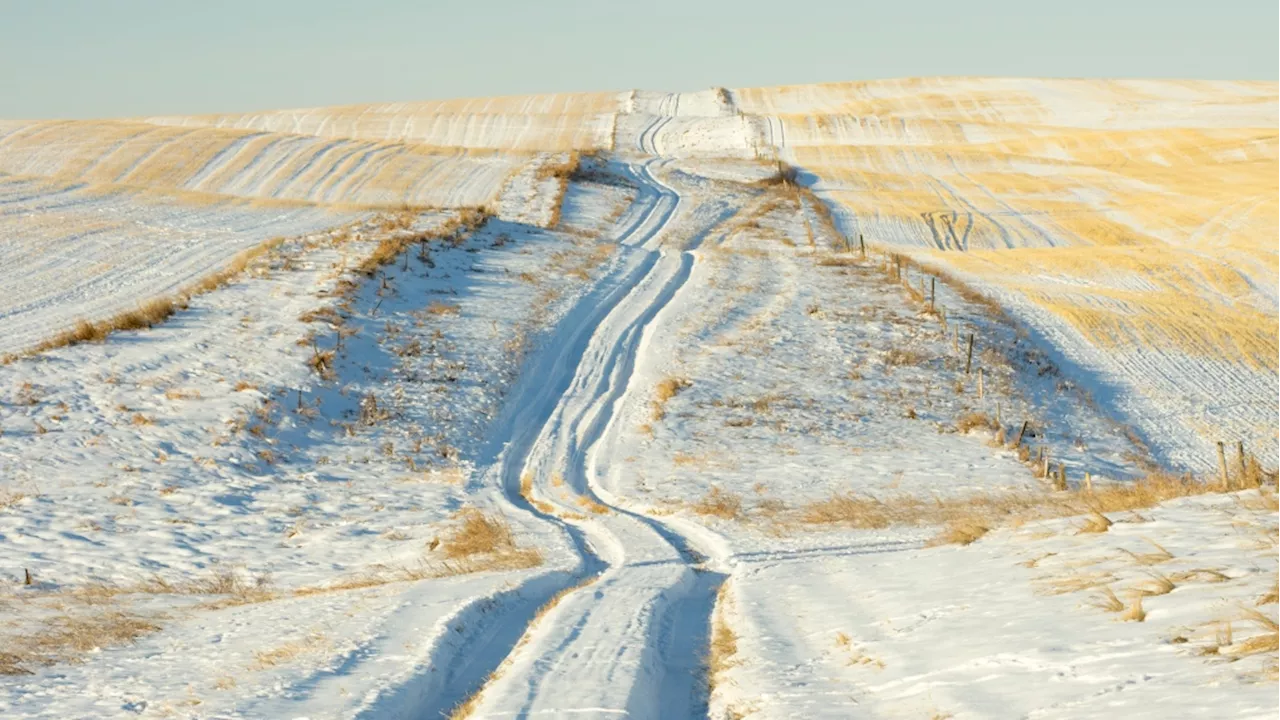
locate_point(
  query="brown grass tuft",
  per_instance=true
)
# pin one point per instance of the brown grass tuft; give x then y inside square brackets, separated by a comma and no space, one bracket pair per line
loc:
[665,390]
[961,531]
[1107,600]
[1266,643]
[1095,523]
[478,533]
[720,504]
[975,421]
[1271,597]
[1134,613]
[436,307]
[1159,584]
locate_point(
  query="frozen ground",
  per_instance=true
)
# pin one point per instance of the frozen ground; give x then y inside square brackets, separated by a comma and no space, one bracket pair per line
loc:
[657,372]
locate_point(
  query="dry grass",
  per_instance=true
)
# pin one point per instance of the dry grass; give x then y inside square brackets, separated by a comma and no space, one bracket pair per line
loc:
[1272,596]
[435,307]
[1107,600]
[476,542]
[289,651]
[563,173]
[784,175]
[719,503]
[1151,558]
[962,515]
[10,498]
[665,390]
[1266,643]
[526,492]
[975,421]
[1158,585]
[399,239]
[1095,523]
[723,647]
[1134,613]
[961,531]
[1204,575]
[68,638]
[592,505]
[903,356]
[478,533]
[839,261]
[150,313]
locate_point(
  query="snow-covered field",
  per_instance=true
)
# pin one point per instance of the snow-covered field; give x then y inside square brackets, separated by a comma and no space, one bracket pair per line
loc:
[653,438]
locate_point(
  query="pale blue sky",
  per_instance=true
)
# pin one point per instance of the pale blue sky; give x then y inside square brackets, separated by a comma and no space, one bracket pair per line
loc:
[102,58]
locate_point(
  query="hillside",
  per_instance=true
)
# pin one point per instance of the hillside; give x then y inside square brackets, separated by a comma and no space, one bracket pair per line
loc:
[897,398]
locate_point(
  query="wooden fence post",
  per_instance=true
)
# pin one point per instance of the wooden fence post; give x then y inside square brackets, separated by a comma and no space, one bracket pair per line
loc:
[933,291]
[1061,483]
[979,383]
[1244,465]
[1222,465]
[1018,442]
[862,244]
[969,359]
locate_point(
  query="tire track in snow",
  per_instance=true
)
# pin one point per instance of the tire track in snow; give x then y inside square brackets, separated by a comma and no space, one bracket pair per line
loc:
[630,644]
[497,623]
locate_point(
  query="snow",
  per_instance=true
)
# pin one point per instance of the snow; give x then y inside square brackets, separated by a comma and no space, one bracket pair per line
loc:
[71,253]
[651,374]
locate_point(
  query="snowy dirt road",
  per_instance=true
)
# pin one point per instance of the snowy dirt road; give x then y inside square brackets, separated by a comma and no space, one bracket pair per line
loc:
[628,640]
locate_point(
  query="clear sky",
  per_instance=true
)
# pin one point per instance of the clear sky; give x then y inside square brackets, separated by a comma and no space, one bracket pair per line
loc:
[104,58]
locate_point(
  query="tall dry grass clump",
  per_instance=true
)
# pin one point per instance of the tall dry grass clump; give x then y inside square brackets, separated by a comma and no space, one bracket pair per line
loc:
[666,389]
[483,541]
